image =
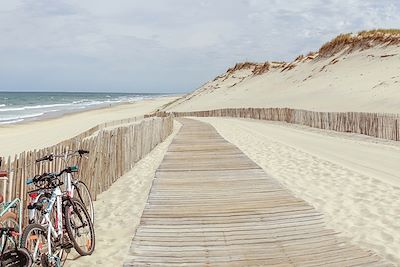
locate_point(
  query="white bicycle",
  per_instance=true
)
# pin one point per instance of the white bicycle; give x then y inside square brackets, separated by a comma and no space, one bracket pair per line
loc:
[73,186]
[65,223]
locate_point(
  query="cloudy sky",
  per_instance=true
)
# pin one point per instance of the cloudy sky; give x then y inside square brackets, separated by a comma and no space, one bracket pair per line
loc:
[164,45]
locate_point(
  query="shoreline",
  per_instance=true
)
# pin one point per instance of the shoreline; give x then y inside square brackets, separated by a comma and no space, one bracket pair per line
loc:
[62,113]
[36,134]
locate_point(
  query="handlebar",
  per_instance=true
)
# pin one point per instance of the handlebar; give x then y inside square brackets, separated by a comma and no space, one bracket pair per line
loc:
[82,152]
[48,177]
[40,178]
[51,156]
[48,157]
[45,181]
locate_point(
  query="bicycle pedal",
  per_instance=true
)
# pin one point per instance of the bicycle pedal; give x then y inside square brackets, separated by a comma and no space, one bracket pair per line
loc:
[67,245]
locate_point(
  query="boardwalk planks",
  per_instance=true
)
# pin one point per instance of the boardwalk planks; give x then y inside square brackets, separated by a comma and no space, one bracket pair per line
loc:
[210,205]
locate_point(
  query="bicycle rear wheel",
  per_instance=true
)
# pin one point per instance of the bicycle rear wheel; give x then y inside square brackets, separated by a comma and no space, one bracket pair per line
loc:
[79,227]
[34,239]
[81,192]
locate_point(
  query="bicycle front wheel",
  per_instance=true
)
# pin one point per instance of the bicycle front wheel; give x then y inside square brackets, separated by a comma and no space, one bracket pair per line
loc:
[9,219]
[81,192]
[19,257]
[79,227]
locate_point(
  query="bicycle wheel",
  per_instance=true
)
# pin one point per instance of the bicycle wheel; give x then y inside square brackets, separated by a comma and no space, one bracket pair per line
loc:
[34,239]
[9,219]
[16,258]
[79,227]
[82,193]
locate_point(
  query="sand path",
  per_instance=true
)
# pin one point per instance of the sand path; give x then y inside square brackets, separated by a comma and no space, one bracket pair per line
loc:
[349,178]
[118,211]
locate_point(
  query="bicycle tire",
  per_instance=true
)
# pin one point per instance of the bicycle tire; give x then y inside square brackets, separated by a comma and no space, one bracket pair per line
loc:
[82,190]
[26,237]
[9,219]
[16,258]
[9,215]
[75,207]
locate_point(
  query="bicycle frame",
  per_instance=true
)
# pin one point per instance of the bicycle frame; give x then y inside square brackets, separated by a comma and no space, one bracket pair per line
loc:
[7,206]
[68,184]
[53,231]
[68,178]
[56,197]
[6,240]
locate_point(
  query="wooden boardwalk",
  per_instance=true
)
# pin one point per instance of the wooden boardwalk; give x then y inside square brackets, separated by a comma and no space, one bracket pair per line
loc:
[210,205]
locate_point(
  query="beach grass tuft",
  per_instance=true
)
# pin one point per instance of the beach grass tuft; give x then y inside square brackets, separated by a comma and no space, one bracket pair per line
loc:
[360,40]
[346,42]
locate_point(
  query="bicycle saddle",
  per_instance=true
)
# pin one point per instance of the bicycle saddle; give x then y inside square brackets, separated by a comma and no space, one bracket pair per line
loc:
[3,174]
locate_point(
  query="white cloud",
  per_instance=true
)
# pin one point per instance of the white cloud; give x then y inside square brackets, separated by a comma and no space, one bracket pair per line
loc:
[164,45]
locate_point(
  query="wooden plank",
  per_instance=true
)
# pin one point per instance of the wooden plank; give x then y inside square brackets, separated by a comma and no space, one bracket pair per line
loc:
[210,205]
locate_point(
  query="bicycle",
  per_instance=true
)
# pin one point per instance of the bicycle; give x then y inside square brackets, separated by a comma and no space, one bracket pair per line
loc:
[8,217]
[50,240]
[74,187]
[14,256]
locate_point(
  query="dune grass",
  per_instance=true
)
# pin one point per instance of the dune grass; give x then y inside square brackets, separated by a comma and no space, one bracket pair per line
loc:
[362,40]
[380,31]
[343,42]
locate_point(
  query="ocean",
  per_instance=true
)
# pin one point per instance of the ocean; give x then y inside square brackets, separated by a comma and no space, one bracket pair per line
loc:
[16,107]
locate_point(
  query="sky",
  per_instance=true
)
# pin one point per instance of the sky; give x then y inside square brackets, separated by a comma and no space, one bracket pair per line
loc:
[169,46]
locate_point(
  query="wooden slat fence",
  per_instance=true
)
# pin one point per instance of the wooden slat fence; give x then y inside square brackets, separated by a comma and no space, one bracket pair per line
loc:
[380,125]
[113,152]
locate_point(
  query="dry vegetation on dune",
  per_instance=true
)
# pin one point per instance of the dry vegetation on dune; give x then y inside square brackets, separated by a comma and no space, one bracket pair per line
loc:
[344,42]
[361,40]
[241,66]
[256,68]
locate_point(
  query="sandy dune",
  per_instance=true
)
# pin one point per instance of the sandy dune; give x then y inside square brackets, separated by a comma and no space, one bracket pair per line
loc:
[365,80]
[35,135]
[340,174]
[118,211]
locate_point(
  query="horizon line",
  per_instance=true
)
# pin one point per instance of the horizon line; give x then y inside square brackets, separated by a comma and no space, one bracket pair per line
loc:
[94,92]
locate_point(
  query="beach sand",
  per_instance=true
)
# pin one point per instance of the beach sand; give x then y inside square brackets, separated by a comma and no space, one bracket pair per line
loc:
[118,211]
[39,134]
[353,180]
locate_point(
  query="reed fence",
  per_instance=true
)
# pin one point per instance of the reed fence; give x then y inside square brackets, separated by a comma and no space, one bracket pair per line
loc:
[114,148]
[380,125]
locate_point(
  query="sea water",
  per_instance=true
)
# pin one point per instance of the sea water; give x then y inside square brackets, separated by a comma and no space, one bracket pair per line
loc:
[21,106]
